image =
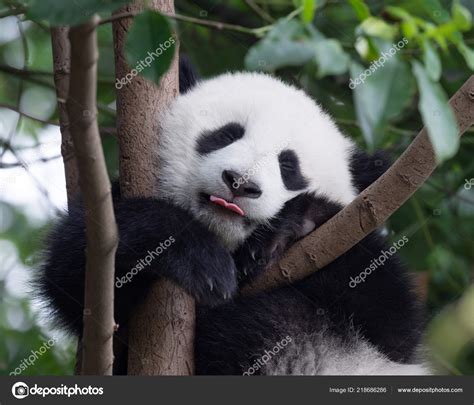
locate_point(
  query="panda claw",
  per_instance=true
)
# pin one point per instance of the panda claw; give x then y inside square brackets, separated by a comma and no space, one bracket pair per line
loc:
[211,284]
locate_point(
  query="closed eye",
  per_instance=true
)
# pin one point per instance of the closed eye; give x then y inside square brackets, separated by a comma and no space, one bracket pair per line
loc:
[290,171]
[210,141]
[287,165]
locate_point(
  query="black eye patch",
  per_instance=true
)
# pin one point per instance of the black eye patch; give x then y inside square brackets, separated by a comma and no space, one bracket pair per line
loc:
[290,171]
[211,141]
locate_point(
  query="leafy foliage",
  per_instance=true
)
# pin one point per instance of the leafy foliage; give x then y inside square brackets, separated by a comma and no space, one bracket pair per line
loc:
[438,119]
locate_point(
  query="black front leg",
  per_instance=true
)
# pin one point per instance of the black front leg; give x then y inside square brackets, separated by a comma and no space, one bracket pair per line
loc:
[268,243]
[157,239]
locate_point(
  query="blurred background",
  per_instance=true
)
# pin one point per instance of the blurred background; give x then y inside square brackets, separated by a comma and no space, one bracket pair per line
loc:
[316,45]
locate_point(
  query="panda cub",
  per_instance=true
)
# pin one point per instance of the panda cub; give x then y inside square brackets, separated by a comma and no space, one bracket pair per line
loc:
[249,165]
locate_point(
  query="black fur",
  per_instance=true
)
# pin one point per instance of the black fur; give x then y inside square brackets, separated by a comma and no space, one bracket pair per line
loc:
[232,332]
[384,310]
[367,168]
[188,76]
[231,335]
[219,138]
[194,259]
[290,171]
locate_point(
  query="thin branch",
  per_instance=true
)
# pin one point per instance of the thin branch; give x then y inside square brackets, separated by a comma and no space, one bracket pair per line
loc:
[369,210]
[26,115]
[396,130]
[198,21]
[24,72]
[61,66]
[108,131]
[24,164]
[21,85]
[21,73]
[450,193]
[31,73]
[260,11]
[11,12]
[44,192]
[101,228]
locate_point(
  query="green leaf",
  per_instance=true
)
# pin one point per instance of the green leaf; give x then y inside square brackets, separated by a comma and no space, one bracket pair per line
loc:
[309,8]
[150,46]
[462,17]
[380,97]
[467,53]
[61,12]
[431,61]
[330,58]
[377,27]
[361,9]
[366,48]
[437,115]
[408,25]
[287,44]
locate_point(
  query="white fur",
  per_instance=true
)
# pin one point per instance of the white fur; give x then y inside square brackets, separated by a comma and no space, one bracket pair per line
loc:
[325,354]
[275,116]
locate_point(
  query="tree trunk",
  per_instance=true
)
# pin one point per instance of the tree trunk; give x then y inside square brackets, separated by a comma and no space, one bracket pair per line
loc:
[61,70]
[161,332]
[101,229]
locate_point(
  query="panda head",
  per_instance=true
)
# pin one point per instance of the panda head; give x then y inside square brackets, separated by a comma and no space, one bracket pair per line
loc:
[235,149]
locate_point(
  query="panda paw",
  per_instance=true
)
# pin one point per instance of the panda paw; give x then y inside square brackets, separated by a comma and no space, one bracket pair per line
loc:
[251,262]
[211,278]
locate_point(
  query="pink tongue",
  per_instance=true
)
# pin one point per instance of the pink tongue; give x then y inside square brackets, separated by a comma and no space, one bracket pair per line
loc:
[223,203]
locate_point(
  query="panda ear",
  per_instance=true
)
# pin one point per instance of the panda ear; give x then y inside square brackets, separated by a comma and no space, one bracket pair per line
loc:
[365,168]
[188,76]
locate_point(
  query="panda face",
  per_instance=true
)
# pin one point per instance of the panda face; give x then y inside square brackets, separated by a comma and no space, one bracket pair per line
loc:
[236,148]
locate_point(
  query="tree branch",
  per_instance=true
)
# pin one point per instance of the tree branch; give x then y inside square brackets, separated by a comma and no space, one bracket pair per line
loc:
[22,164]
[24,72]
[17,110]
[101,229]
[198,21]
[260,11]
[369,210]
[162,329]
[61,70]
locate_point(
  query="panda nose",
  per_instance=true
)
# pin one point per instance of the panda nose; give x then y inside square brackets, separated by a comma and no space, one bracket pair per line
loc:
[240,187]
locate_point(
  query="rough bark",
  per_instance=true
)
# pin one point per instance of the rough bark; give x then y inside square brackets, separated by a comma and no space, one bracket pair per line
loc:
[101,229]
[161,333]
[370,209]
[61,71]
